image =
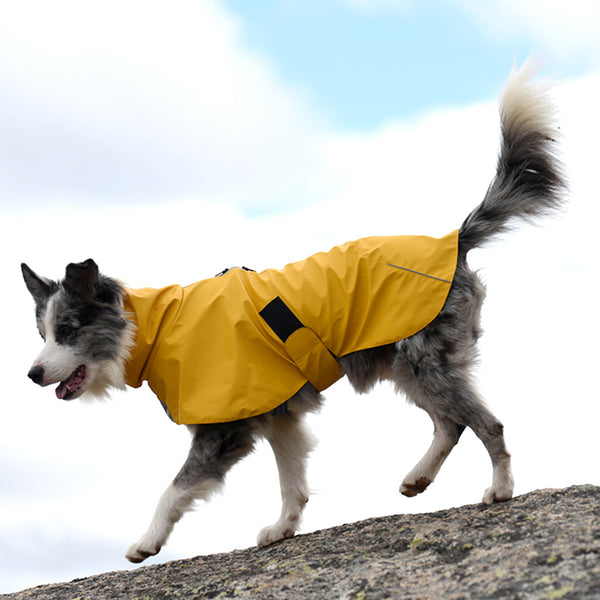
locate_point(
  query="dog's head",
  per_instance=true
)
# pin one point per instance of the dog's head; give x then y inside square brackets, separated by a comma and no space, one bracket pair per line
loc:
[86,334]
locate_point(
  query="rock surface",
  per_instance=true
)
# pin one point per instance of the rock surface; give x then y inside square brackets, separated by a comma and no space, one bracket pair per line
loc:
[545,544]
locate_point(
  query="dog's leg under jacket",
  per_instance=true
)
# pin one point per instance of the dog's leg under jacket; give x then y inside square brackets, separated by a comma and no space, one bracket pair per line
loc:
[215,449]
[291,443]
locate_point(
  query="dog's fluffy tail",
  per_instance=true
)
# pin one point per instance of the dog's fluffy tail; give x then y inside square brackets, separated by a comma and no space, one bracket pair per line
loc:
[529,181]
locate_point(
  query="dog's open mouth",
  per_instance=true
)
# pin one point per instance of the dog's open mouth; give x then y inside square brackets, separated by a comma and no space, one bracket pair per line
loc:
[73,384]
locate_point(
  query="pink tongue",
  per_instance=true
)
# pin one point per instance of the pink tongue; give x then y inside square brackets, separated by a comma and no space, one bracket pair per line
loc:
[72,384]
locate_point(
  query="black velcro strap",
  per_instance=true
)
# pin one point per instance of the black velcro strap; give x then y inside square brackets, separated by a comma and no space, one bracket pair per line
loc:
[280,318]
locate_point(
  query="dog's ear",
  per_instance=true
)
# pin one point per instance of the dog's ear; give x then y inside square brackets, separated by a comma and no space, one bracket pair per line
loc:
[39,287]
[81,279]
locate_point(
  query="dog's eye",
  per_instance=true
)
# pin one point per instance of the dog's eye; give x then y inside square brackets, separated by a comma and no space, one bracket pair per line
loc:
[65,331]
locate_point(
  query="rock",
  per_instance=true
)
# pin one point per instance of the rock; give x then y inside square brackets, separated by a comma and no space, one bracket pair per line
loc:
[545,544]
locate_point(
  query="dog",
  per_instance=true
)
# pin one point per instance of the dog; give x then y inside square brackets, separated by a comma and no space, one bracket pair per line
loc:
[91,331]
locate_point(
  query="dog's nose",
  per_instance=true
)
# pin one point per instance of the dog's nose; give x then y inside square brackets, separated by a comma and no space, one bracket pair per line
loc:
[36,374]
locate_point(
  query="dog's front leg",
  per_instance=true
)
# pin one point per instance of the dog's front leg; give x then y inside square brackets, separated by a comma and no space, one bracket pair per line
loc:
[175,501]
[215,449]
[291,444]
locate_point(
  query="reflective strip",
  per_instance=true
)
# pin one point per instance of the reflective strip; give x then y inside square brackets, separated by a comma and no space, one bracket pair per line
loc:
[418,273]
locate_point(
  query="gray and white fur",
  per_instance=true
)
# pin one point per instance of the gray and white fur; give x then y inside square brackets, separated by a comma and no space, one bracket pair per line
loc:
[88,338]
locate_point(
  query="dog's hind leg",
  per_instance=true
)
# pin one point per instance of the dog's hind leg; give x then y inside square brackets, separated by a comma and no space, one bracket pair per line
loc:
[468,409]
[443,389]
[215,449]
[445,437]
[291,443]
[446,432]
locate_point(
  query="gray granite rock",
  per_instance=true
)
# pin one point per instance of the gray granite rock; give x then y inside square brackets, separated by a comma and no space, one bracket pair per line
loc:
[545,544]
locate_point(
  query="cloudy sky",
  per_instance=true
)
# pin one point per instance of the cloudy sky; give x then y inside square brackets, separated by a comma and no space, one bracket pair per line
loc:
[170,140]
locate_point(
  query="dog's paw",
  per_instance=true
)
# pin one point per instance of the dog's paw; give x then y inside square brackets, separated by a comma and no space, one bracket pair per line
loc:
[412,488]
[139,552]
[501,494]
[275,533]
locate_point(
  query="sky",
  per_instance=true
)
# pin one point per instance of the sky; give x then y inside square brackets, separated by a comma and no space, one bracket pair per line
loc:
[168,141]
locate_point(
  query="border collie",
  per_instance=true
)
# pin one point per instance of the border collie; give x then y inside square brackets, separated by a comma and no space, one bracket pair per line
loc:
[90,334]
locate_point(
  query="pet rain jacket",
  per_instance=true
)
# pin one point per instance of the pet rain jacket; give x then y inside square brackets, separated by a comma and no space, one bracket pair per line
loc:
[242,343]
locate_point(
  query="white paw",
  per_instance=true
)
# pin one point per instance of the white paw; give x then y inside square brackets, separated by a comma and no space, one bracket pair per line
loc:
[140,551]
[411,487]
[275,533]
[497,494]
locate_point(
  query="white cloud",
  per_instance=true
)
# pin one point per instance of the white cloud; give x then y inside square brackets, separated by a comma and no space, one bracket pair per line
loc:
[125,99]
[394,175]
[562,30]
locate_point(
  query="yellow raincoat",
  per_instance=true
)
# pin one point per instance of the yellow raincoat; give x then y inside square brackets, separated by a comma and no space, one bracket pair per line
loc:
[241,344]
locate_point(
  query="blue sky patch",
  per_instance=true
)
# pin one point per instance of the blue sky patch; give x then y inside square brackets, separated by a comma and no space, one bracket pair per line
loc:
[364,68]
